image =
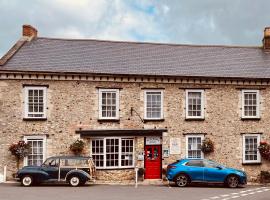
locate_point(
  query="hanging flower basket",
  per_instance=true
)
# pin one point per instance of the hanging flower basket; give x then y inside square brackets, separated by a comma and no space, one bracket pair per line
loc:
[77,147]
[264,149]
[19,150]
[207,146]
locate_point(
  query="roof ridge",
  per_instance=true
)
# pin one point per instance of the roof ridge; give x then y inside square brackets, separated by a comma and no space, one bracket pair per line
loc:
[151,43]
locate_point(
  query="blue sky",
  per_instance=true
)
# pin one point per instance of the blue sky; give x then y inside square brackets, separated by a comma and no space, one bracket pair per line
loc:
[226,22]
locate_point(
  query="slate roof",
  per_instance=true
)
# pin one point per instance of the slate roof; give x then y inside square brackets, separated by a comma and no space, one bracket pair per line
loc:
[131,58]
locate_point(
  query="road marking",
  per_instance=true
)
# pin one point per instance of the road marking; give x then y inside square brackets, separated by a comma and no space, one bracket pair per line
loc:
[242,193]
[216,197]
[225,195]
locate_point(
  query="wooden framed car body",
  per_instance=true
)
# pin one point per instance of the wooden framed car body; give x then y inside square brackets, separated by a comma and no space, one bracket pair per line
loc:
[75,170]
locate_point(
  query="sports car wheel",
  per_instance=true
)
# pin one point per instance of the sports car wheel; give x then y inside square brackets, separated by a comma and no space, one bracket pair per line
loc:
[182,180]
[27,181]
[232,181]
[74,181]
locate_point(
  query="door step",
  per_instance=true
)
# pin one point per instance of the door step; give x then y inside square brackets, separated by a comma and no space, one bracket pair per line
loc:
[152,182]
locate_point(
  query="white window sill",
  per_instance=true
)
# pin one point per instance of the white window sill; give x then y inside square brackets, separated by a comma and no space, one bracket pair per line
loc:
[114,168]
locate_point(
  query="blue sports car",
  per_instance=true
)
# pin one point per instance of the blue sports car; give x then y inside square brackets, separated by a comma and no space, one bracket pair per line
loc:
[187,171]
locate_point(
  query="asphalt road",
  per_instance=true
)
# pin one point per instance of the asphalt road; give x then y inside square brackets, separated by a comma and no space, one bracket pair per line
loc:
[118,192]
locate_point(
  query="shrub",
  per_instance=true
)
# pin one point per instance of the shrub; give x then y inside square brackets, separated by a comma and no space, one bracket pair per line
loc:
[77,146]
[19,150]
[207,146]
[264,149]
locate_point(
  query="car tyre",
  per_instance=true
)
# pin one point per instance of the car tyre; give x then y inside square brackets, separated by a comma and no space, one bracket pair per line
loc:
[232,181]
[27,181]
[74,181]
[181,180]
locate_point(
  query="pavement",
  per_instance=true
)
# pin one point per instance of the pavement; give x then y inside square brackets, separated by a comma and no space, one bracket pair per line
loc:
[13,191]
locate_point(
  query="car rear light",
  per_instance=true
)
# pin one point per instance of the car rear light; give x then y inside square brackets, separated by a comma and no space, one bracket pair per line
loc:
[171,167]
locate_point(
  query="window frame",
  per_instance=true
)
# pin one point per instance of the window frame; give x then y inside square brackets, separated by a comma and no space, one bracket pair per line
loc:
[257,105]
[192,136]
[100,91]
[119,152]
[244,149]
[26,102]
[161,102]
[36,137]
[202,104]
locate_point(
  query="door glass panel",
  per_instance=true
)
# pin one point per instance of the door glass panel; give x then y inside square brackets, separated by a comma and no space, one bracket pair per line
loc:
[149,153]
[155,153]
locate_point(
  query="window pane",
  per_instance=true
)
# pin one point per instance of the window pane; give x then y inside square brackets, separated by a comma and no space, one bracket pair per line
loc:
[250,104]
[35,103]
[109,107]
[251,148]
[35,156]
[194,106]
[194,147]
[153,104]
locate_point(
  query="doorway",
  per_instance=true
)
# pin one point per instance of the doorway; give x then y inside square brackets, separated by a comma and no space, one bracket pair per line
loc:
[152,161]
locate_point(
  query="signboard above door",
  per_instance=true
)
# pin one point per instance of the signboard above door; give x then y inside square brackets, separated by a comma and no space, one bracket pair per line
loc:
[152,140]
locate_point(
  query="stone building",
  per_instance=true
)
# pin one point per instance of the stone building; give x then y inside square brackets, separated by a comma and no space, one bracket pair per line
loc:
[135,104]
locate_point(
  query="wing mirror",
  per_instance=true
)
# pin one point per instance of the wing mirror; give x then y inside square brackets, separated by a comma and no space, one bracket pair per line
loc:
[219,167]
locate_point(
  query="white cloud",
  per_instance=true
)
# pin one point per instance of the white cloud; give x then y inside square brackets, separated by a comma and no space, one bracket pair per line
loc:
[176,21]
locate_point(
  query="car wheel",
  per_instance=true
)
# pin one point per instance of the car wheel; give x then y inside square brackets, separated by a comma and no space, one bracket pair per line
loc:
[74,181]
[27,180]
[232,181]
[181,180]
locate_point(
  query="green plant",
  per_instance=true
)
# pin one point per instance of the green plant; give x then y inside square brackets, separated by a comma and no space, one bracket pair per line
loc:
[19,150]
[264,149]
[207,146]
[77,146]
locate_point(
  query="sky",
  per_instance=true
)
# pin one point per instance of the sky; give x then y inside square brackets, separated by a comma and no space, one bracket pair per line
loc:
[218,22]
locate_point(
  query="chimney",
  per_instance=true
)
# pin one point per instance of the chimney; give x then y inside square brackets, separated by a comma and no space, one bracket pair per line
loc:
[266,38]
[29,31]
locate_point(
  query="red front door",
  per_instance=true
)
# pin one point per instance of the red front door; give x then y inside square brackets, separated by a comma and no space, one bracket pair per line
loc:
[152,161]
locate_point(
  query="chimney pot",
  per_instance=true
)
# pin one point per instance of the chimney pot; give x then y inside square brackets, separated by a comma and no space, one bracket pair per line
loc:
[29,31]
[266,38]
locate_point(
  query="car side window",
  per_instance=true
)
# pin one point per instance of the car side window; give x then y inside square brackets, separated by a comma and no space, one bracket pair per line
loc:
[52,162]
[195,163]
[211,164]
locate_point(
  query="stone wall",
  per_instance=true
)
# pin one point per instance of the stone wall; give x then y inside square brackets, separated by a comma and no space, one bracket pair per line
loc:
[74,104]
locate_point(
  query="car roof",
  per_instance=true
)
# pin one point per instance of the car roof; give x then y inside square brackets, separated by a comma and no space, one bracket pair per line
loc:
[71,157]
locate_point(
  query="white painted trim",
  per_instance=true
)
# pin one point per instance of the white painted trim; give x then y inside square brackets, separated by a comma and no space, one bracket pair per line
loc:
[100,91]
[202,104]
[145,104]
[191,136]
[26,111]
[36,137]
[119,152]
[257,106]
[244,145]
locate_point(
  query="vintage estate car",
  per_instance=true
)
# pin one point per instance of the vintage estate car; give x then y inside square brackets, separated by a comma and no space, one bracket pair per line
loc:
[72,169]
[187,171]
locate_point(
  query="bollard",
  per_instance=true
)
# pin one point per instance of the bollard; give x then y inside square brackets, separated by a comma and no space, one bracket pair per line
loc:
[136,176]
[5,174]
